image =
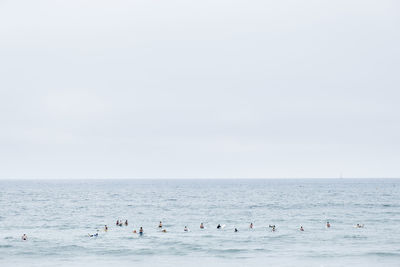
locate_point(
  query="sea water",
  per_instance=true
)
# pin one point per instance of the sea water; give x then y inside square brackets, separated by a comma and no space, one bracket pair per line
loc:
[57,217]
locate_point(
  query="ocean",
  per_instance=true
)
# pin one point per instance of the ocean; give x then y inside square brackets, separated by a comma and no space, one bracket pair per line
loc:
[58,215]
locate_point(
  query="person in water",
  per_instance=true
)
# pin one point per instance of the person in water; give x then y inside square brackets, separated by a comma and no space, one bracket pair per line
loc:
[185,229]
[141,231]
[218,226]
[301,228]
[126,222]
[328,225]
[24,237]
[95,235]
[201,226]
[160,225]
[251,225]
[236,230]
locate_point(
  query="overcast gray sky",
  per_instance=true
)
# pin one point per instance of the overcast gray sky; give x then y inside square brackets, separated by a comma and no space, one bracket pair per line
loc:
[192,89]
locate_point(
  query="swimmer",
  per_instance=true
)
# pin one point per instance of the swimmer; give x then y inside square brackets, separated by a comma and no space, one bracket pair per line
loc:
[328,225]
[141,231]
[185,229]
[160,225]
[236,230]
[301,228]
[126,222]
[251,226]
[218,226]
[201,226]
[24,237]
[105,228]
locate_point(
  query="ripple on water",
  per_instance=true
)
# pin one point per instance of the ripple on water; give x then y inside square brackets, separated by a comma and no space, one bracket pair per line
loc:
[355,237]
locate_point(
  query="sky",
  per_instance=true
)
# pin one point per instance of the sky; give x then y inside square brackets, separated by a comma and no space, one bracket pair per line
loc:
[199,89]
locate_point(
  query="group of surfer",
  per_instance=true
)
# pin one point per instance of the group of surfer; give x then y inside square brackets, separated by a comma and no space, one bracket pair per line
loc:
[186,229]
[251,226]
[120,223]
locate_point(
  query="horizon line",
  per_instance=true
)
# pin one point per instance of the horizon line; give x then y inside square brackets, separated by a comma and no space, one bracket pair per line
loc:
[187,178]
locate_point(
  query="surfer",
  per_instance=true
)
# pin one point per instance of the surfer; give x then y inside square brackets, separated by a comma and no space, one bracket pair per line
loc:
[105,228]
[160,225]
[218,226]
[301,228]
[236,230]
[251,226]
[141,231]
[117,223]
[126,222]
[328,225]
[185,229]
[24,237]
[201,226]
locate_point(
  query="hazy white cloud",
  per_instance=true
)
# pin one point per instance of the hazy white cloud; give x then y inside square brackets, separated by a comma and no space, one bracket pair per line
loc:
[197,89]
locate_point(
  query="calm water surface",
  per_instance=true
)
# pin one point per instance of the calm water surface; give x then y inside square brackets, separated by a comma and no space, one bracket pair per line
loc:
[58,215]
